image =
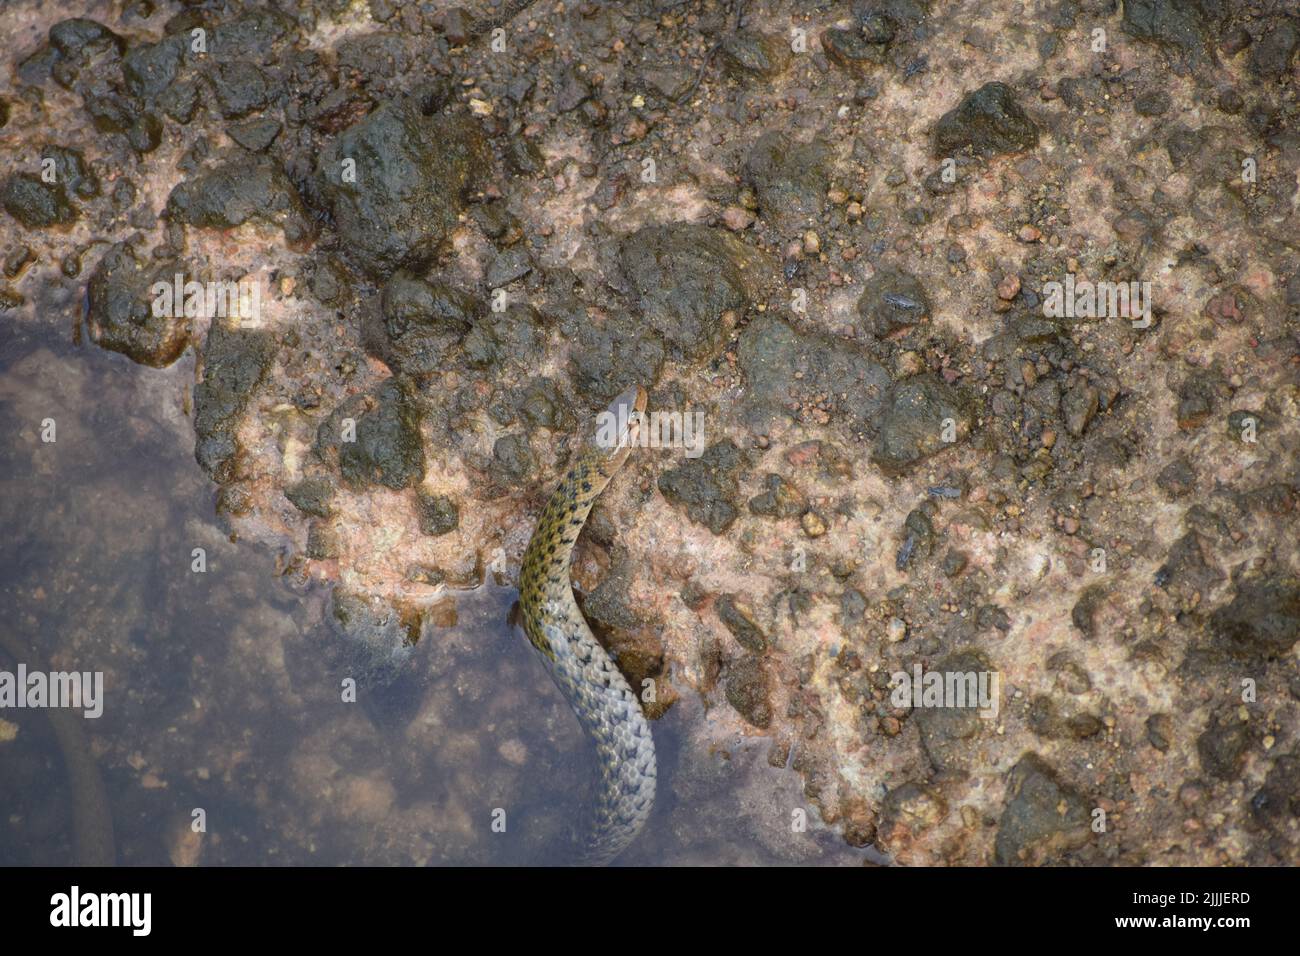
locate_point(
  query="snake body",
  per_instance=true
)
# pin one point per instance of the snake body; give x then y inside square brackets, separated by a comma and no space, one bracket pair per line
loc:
[598,693]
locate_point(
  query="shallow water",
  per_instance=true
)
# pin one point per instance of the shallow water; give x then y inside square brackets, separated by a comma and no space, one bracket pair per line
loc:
[224,688]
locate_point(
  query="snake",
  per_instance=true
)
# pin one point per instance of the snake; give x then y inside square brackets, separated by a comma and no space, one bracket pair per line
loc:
[590,681]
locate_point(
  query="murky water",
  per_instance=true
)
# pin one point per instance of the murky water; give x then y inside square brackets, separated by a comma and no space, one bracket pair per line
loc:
[224,690]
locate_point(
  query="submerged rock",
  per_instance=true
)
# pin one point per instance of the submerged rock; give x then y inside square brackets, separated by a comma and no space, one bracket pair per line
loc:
[747,690]
[988,121]
[396,181]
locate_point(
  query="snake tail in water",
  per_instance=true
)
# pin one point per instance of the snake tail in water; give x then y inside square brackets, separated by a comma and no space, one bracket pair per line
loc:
[598,693]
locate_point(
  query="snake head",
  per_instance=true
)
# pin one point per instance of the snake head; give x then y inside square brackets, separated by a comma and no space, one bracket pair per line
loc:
[619,425]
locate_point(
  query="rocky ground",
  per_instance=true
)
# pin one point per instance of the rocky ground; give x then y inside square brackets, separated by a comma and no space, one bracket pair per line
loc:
[831,229]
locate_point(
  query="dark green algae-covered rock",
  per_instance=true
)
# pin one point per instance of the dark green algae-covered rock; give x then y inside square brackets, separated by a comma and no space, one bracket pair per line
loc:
[235,361]
[120,313]
[386,447]
[988,121]
[396,182]
[238,190]
[683,277]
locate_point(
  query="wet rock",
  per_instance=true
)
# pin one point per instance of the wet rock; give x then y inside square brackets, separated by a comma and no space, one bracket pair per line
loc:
[918,539]
[235,361]
[738,616]
[512,337]
[1050,721]
[36,204]
[255,135]
[572,90]
[1079,405]
[1152,103]
[1084,613]
[311,496]
[1272,56]
[240,190]
[1222,746]
[779,499]
[808,374]
[609,605]
[1186,26]
[893,300]
[907,811]
[422,320]
[513,464]
[791,180]
[438,514]
[1262,619]
[1178,478]
[1043,819]
[376,641]
[411,175]
[1277,803]
[954,563]
[706,487]
[747,689]
[150,68]
[72,175]
[542,405]
[1160,731]
[851,51]
[1084,94]
[919,414]
[121,316]
[240,89]
[745,53]
[252,35]
[684,277]
[1190,569]
[80,38]
[1196,398]
[507,266]
[605,357]
[387,449]
[988,121]
[948,731]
